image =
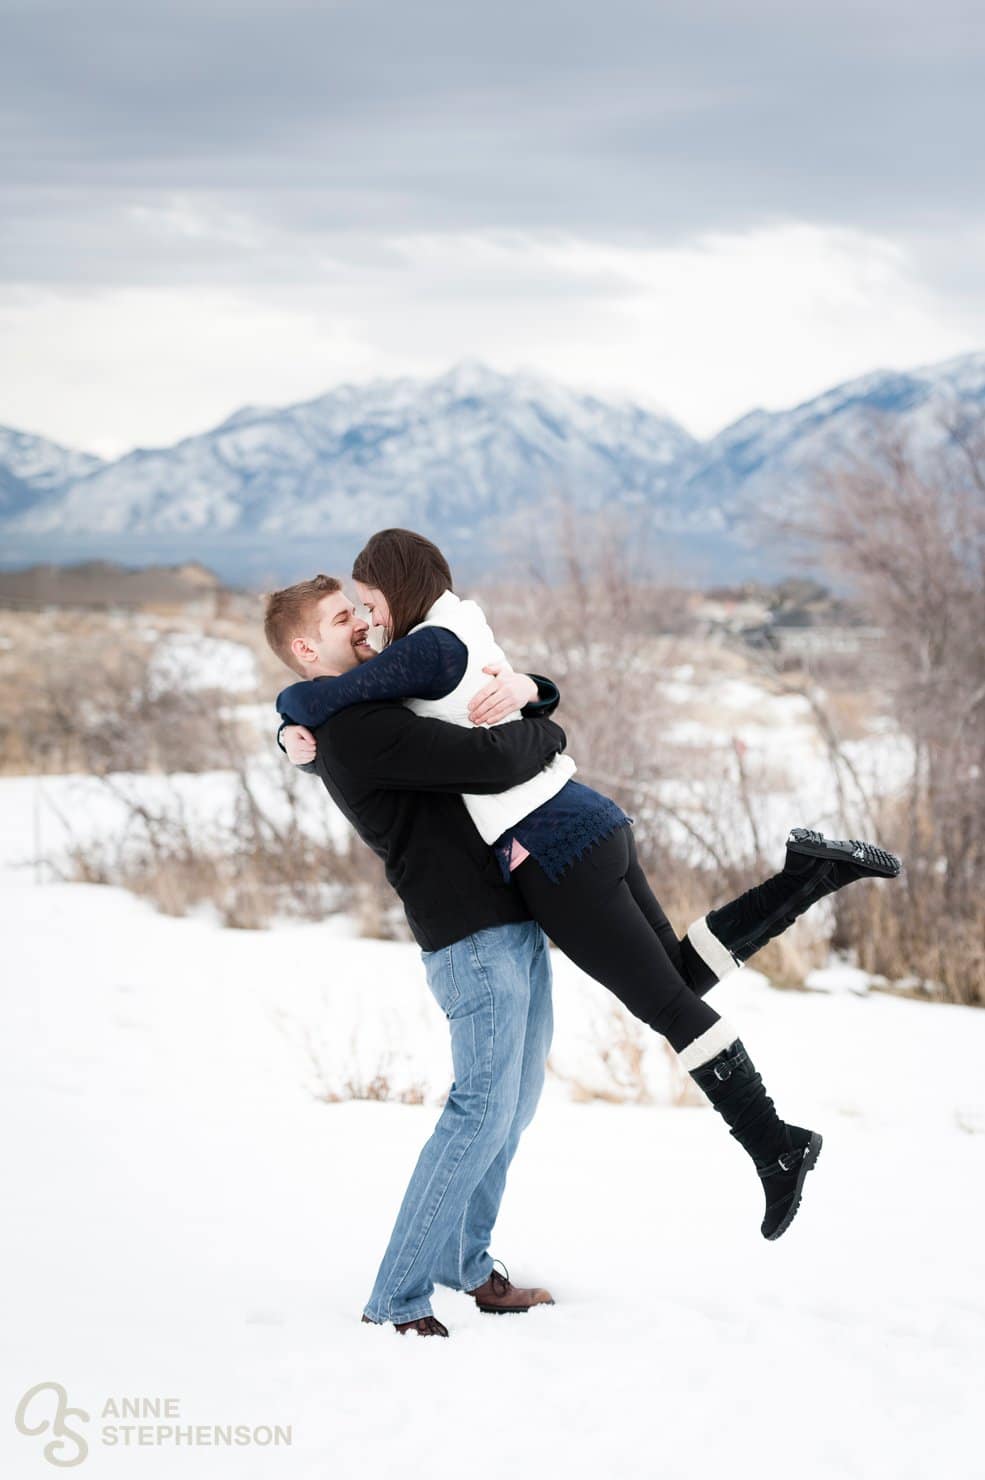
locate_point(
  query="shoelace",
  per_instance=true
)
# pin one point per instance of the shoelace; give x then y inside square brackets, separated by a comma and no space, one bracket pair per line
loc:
[499,1282]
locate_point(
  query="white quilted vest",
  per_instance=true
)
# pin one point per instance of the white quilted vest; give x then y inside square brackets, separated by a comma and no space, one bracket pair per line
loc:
[492,815]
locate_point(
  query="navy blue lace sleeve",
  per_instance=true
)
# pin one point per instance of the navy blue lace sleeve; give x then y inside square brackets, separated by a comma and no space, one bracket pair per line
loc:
[423,665]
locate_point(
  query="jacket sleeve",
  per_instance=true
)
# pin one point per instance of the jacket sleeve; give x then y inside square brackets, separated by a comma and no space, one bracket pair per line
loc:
[426,665]
[391,747]
[547,700]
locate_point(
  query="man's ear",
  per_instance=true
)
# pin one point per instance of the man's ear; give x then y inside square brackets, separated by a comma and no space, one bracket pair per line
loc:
[302,650]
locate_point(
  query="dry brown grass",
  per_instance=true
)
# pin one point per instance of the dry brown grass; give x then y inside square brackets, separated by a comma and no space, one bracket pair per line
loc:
[789,958]
[74,693]
[911,932]
[74,697]
[375,1087]
[77,695]
[251,869]
[851,709]
[331,1086]
[620,1043]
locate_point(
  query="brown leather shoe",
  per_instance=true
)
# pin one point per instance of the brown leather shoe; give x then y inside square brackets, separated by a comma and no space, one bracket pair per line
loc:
[424,1326]
[499,1296]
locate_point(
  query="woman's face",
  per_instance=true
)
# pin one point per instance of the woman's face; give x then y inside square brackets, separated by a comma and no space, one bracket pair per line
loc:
[375,603]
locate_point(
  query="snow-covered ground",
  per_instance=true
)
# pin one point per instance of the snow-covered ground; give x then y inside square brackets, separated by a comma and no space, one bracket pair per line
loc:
[43,817]
[190,661]
[188,1220]
[196,1209]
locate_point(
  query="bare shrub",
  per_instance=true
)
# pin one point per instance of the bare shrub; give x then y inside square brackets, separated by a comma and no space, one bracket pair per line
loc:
[377,1087]
[275,852]
[332,1085]
[920,938]
[908,529]
[80,693]
[619,1068]
[620,1048]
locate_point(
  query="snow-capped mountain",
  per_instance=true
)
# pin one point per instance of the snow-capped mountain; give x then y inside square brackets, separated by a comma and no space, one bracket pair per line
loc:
[771,459]
[456,457]
[32,467]
[456,451]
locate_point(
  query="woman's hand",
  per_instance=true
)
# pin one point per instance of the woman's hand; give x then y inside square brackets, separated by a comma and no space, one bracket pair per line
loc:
[299,743]
[508,692]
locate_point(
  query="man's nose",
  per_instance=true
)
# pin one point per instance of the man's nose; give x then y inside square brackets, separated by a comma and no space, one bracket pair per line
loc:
[361,629]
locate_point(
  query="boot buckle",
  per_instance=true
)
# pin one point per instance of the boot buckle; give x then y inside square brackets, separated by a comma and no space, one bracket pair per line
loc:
[796,1154]
[723,1071]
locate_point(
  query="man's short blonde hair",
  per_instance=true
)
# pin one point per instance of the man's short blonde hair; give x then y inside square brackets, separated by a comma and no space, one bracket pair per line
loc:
[292,612]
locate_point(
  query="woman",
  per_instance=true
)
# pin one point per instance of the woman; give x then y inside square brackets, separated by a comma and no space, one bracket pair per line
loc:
[570,852]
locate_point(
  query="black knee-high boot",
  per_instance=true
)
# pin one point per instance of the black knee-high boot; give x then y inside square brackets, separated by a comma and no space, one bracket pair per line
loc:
[783,1154]
[815,866]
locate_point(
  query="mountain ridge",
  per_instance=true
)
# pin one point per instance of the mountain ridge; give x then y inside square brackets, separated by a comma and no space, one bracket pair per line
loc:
[462,456]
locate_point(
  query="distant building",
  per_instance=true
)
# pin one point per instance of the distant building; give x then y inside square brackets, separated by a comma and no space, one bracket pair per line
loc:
[811,639]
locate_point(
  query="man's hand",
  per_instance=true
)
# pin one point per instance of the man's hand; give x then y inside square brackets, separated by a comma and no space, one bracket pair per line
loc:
[509,691]
[299,744]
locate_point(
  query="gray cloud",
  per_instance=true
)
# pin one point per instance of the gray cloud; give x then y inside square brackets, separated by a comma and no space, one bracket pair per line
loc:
[298,193]
[341,122]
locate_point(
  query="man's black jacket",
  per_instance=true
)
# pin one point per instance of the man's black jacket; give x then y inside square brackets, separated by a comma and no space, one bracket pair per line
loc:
[398,779]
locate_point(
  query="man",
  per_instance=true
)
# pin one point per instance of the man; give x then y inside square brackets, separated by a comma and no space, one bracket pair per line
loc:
[398,779]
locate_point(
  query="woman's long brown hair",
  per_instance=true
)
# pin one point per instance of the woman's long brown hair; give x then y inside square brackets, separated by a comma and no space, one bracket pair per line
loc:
[410,571]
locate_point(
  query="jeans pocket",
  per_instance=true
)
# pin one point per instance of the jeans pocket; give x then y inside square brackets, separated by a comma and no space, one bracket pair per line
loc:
[441,978]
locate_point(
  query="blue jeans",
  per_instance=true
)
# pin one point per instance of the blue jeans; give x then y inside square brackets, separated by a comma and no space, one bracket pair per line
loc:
[494,988]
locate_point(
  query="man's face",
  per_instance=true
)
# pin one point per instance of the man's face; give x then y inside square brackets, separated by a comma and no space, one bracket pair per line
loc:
[336,642]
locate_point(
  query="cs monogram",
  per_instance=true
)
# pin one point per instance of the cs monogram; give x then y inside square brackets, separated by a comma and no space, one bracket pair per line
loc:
[54,1450]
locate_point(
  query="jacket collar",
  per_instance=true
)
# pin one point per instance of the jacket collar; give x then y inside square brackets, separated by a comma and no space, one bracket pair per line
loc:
[446,603]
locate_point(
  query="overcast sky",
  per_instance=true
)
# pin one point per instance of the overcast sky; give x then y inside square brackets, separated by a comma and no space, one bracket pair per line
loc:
[708,207]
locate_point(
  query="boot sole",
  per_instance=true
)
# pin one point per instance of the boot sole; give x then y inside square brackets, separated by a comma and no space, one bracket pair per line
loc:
[809,1161]
[876,860]
[512,1310]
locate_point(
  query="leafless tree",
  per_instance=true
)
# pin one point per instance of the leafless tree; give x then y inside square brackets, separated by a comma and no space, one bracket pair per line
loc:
[906,528]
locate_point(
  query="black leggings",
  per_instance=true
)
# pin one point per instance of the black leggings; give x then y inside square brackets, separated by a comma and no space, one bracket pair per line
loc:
[603,914]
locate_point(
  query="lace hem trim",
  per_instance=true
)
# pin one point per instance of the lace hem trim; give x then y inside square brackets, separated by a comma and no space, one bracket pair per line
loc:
[568,844]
